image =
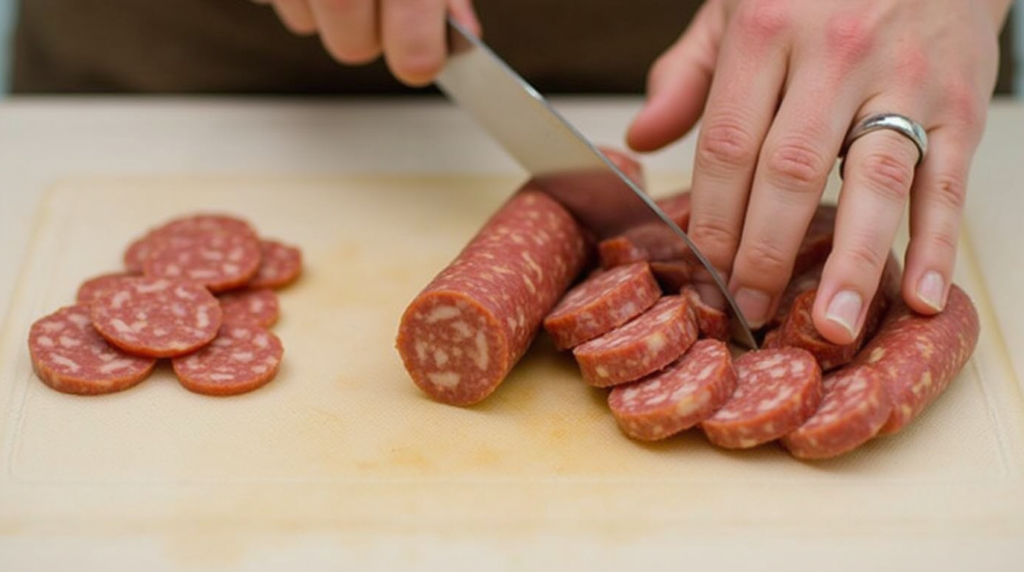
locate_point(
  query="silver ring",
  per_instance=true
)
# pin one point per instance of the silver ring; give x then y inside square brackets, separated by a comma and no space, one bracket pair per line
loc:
[901,124]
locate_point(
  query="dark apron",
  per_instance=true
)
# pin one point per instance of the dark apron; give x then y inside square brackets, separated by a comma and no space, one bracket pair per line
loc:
[232,46]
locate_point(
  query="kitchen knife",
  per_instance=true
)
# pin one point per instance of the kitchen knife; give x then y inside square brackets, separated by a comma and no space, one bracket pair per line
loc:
[562,160]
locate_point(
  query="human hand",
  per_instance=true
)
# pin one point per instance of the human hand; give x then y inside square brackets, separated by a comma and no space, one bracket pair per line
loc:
[410,33]
[779,84]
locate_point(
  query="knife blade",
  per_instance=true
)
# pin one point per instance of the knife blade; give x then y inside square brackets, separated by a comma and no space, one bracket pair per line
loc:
[561,159]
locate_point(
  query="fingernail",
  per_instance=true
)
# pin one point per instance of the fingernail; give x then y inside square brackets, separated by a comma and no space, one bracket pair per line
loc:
[754,304]
[844,309]
[930,289]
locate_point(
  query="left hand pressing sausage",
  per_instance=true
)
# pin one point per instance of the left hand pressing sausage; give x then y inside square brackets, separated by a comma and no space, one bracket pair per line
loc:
[779,84]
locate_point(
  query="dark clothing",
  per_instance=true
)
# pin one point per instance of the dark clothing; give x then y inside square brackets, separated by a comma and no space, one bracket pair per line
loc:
[231,46]
[235,46]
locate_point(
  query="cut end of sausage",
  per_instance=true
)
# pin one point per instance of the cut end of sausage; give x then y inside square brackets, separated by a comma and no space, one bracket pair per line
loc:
[454,349]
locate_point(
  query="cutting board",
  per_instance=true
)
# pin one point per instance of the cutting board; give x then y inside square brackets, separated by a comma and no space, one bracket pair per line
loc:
[342,444]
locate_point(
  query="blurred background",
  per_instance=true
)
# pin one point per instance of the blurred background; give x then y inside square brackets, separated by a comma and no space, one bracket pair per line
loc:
[1011,78]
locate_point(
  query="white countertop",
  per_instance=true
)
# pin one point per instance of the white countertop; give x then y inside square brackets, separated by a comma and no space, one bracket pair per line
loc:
[45,140]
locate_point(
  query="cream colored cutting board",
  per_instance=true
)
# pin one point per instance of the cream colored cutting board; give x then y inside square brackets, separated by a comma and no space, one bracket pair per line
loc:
[342,446]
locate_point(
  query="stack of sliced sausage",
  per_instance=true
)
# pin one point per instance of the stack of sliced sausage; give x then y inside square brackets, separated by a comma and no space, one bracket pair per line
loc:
[198,290]
[637,325]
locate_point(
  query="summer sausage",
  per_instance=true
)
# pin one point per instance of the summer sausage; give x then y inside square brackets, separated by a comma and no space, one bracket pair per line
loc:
[648,343]
[602,303]
[799,331]
[257,306]
[93,287]
[460,337]
[712,322]
[809,279]
[672,275]
[678,397]
[157,317]
[918,356]
[69,355]
[853,408]
[242,357]
[217,251]
[652,242]
[280,265]
[776,391]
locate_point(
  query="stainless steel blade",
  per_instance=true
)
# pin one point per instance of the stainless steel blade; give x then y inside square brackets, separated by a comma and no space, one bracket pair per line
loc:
[564,162]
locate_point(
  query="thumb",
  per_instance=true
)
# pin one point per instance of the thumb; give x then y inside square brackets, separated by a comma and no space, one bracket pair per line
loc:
[678,83]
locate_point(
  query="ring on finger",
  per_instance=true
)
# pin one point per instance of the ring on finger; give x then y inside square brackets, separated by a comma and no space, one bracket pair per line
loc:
[901,124]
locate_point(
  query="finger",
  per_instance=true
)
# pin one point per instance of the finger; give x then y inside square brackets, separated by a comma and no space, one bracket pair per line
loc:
[937,205]
[463,12]
[744,93]
[348,29]
[678,83]
[296,16]
[413,33]
[878,174]
[792,171]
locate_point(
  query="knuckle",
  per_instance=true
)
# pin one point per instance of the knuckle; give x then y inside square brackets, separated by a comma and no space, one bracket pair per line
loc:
[714,234]
[887,175]
[764,20]
[766,261]
[852,37]
[944,241]
[912,65]
[797,166]
[964,106]
[950,190]
[864,258]
[725,144]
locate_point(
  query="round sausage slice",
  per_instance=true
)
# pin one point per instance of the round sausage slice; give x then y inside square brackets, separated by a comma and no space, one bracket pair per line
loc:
[280,265]
[70,356]
[678,397]
[93,287]
[602,303]
[218,252]
[776,391]
[853,409]
[650,342]
[250,306]
[157,317]
[242,358]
